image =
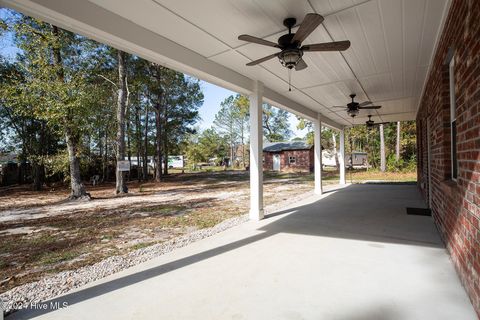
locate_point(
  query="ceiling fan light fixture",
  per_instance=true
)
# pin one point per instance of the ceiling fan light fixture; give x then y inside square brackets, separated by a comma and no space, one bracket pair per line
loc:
[353,112]
[290,57]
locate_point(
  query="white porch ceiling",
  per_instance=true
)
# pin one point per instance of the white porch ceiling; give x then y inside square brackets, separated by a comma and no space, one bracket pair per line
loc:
[391,45]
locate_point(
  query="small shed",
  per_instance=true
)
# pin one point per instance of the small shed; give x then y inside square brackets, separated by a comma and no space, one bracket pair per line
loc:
[289,156]
[357,159]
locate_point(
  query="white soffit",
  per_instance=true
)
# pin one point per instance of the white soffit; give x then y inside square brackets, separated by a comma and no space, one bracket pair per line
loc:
[392,42]
[392,45]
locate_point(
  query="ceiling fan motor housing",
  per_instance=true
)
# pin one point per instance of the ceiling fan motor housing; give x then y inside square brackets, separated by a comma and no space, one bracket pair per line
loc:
[291,52]
[285,41]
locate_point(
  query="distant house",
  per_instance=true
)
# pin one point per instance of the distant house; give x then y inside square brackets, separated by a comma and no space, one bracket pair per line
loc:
[290,156]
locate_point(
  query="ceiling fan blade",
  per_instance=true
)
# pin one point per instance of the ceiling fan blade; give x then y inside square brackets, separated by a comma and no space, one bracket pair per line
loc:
[327,46]
[248,38]
[365,103]
[309,23]
[343,107]
[262,59]
[301,64]
[370,107]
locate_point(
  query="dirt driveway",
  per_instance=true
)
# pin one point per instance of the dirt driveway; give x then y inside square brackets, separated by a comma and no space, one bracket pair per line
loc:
[41,233]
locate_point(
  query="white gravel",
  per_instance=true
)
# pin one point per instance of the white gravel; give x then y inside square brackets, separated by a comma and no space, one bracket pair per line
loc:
[60,283]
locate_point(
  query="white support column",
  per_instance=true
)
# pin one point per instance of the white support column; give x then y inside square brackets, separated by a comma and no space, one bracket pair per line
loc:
[341,158]
[317,134]
[256,153]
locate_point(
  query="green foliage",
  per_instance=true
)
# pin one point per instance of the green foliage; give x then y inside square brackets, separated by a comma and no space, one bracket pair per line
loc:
[212,145]
[401,165]
[359,138]
[226,120]
[64,83]
[327,134]
[193,151]
[394,165]
[204,146]
[275,124]
[58,165]
[57,94]
[3,27]
[231,123]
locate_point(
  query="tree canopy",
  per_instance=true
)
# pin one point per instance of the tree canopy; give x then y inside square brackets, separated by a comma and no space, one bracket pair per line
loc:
[59,97]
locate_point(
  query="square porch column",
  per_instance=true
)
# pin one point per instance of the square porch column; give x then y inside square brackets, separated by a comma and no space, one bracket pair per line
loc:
[256,153]
[341,158]
[317,138]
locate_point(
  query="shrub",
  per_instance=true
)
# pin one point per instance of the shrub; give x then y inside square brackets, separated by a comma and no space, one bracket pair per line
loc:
[401,165]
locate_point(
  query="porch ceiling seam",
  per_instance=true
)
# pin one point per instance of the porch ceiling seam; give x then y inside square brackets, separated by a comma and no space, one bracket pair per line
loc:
[343,56]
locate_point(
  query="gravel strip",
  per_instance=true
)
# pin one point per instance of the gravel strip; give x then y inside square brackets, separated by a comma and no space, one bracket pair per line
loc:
[60,283]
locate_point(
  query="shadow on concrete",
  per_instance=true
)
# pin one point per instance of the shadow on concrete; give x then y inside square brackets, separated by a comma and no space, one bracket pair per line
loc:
[373,213]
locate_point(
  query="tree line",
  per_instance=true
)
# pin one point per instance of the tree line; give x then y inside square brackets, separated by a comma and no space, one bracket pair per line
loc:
[390,147]
[72,106]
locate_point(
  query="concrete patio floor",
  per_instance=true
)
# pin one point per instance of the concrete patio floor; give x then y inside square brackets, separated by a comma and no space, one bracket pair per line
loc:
[350,254]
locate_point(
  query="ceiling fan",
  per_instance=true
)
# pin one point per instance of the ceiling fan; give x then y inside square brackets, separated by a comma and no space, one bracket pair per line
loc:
[290,44]
[370,123]
[353,108]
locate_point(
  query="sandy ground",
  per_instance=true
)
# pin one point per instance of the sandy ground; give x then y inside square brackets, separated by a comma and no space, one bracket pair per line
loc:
[41,232]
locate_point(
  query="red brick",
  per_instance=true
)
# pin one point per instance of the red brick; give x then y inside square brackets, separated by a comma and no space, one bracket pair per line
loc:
[455,205]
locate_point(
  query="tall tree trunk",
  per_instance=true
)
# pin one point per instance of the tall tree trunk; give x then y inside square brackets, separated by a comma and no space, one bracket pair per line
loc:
[165,157]
[164,140]
[78,189]
[129,145]
[37,164]
[105,158]
[382,150]
[397,149]
[243,143]
[231,155]
[138,136]
[121,176]
[158,123]
[158,145]
[334,142]
[37,182]
[145,146]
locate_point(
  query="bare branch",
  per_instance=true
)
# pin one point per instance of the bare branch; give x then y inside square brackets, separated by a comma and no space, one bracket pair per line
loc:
[106,79]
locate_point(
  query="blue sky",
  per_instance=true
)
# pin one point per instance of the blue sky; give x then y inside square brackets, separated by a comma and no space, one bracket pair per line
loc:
[213,95]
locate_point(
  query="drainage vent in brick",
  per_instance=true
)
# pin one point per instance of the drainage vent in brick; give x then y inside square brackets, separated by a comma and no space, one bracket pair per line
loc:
[419,211]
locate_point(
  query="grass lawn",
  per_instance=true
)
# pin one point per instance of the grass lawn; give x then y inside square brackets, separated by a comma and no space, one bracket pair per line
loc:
[362,175]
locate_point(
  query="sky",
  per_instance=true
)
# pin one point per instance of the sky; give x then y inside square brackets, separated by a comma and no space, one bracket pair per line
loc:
[213,95]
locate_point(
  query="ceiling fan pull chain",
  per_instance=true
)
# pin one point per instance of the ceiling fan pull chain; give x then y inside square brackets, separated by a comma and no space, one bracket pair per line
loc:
[289,79]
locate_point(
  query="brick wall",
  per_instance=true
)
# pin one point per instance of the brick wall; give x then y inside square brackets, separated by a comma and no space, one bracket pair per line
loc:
[303,160]
[455,204]
[267,161]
